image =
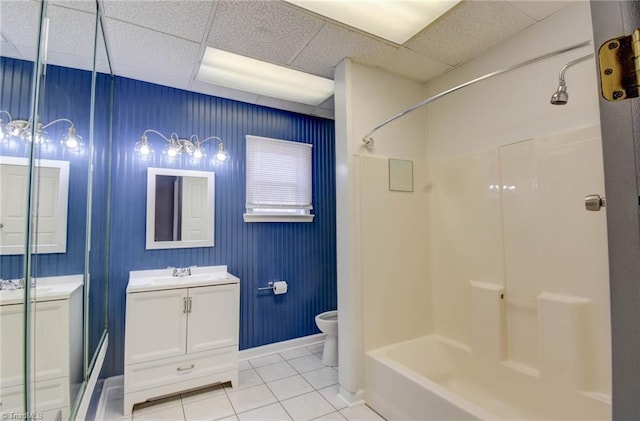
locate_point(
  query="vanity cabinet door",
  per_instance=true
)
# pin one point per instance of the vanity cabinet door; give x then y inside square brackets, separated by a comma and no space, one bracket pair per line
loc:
[213,317]
[156,325]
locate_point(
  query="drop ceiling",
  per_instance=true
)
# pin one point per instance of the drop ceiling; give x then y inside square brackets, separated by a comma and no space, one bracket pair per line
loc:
[164,41]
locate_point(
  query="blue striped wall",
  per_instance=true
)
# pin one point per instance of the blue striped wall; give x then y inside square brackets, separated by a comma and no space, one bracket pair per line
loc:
[303,254]
[67,94]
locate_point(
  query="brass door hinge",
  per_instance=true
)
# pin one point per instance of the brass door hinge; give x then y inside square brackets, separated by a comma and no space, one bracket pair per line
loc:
[619,60]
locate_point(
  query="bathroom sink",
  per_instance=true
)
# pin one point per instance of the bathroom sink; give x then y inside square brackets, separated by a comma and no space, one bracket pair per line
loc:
[162,278]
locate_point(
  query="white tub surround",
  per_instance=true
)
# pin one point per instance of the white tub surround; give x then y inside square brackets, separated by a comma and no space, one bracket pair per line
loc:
[181,332]
[432,378]
[57,367]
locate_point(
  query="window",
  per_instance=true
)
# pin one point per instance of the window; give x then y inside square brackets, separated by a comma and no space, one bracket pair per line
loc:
[278,181]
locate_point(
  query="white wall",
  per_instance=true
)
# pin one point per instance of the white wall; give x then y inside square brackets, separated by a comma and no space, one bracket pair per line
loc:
[515,106]
[368,213]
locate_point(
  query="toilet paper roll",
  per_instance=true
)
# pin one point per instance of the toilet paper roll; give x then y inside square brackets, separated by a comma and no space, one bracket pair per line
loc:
[280,287]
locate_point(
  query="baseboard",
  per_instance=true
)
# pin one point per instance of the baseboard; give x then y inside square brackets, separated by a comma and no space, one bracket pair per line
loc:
[81,413]
[276,347]
[350,398]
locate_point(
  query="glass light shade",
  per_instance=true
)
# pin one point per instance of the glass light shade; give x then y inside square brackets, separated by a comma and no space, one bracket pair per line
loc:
[171,150]
[3,129]
[143,148]
[221,155]
[71,140]
[199,152]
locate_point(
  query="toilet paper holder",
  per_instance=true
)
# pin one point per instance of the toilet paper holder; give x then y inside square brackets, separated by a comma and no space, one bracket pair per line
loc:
[270,285]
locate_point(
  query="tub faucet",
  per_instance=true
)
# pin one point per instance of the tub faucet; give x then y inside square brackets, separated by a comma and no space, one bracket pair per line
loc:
[180,272]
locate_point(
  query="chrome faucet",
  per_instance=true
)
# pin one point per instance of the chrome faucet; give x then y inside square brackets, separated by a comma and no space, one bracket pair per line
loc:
[180,272]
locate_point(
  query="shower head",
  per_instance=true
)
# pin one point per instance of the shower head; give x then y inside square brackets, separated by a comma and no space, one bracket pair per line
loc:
[561,96]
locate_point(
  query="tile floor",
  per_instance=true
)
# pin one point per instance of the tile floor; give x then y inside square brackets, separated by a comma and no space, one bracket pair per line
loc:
[291,385]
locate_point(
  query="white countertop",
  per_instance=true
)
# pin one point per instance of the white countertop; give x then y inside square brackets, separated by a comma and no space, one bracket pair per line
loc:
[157,279]
[47,288]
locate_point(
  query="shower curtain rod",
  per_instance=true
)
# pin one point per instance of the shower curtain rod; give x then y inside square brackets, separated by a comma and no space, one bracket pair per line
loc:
[368,140]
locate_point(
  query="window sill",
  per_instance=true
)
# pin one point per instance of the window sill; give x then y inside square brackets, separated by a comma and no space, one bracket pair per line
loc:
[248,217]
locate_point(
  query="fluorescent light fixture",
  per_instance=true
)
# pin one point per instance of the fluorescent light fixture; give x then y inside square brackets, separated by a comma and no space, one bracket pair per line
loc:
[251,75]
[393,20]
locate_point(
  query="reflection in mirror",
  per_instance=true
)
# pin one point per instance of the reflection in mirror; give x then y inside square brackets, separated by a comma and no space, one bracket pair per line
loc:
[52,191]
[180,208]
[62,83]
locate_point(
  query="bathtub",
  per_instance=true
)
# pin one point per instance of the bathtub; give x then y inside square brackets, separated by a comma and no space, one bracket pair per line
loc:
[433,378]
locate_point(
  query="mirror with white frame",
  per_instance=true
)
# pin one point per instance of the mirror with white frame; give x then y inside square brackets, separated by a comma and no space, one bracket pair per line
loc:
[180,208]
[51,191]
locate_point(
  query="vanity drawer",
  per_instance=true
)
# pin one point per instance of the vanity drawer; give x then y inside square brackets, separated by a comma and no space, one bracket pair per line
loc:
[173,370]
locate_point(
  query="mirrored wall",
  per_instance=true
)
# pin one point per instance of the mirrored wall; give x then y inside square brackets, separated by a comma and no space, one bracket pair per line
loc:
[55,142]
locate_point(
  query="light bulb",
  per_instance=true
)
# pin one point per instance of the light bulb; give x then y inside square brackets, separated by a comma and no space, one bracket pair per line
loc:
[172,151]
[144,149]
[197,154]
[71,140]
[221,155]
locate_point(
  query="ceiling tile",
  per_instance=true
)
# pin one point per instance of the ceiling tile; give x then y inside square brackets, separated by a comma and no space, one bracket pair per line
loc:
[468,29]
[540,9]
[8,50]
[151,50]
[412,65]
[71,37]
[83,5]
[265,30]
[281,104]
[185,19]
[333,44]
[20,23]
[222,92]
[149,75]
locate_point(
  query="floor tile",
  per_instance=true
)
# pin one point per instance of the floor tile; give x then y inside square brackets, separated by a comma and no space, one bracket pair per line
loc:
[210,408]
[276,371]
[160,412]
[274,412]
[360,413]
[289,387]
[295,353]
[250,398]
[307,407]
[231,418]
[246,378]
[244,365]
[266,360]
[306,363]
[331,394]
[321,378]
[204,393]
[334,416]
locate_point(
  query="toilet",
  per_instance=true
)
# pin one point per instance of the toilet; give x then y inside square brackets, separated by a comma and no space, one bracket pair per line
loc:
[327,322]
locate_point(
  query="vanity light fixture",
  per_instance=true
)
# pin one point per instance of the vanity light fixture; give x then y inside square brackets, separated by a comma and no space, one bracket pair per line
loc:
[175,146]
[21,129]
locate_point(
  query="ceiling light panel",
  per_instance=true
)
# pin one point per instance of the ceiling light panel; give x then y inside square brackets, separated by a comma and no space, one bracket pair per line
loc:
[247,74]
[393,20]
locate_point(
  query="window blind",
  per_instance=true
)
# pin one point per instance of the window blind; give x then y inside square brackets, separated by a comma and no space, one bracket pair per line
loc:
[278,177]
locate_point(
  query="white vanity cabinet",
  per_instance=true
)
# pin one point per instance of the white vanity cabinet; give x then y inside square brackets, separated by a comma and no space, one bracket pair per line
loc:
[180,333]
[57,346]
